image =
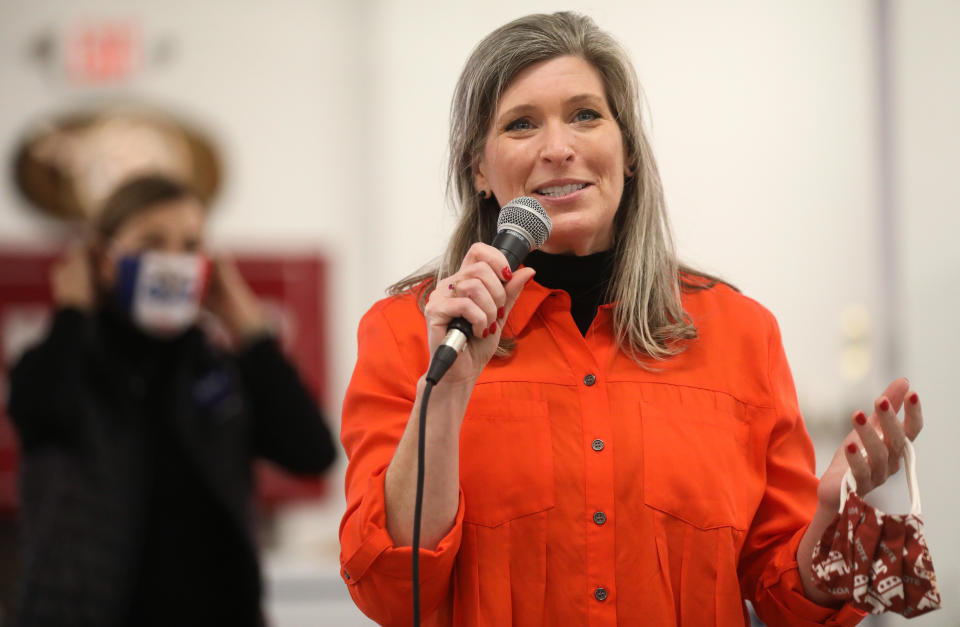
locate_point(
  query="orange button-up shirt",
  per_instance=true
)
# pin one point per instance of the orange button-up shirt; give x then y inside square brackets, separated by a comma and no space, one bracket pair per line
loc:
[593,491]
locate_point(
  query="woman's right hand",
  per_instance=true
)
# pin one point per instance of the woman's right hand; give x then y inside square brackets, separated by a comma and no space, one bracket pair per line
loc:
[71,279]
[483,291]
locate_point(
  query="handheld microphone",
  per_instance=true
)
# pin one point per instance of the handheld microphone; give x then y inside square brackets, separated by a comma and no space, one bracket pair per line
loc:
[522,226]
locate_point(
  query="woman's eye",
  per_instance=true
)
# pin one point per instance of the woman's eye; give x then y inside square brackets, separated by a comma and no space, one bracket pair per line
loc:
[523,124]
[586,115]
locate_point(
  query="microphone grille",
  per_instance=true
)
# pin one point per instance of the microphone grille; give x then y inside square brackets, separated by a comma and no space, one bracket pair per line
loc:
[526,215]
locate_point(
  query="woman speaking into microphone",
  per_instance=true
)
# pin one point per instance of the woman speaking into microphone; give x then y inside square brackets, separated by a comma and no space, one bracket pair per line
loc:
[620,441]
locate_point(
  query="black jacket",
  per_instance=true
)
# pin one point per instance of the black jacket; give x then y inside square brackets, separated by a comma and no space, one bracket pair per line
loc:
[136,472]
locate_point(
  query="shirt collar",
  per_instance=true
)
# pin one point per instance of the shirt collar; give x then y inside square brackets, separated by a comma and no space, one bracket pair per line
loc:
[530,300]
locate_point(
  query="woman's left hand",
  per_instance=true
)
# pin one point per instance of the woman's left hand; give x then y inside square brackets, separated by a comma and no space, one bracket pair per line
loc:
[874,447]
[231,299]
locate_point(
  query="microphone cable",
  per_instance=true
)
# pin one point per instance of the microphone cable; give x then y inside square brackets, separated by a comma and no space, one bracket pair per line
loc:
[522,226]
[418,506]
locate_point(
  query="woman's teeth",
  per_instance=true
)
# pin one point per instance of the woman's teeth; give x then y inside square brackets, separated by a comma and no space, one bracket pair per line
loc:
[561,190]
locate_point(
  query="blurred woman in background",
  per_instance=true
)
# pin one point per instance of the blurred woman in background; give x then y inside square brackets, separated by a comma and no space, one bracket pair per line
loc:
[138,435]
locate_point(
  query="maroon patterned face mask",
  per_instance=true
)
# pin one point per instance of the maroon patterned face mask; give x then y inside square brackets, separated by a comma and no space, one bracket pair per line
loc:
[879,562]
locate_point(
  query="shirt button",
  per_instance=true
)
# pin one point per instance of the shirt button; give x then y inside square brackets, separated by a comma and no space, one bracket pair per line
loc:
[600,594]
[599,518]
[597,444]
[589,379]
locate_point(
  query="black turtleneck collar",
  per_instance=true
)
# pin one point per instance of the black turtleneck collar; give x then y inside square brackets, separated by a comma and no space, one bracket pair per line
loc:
[584,278]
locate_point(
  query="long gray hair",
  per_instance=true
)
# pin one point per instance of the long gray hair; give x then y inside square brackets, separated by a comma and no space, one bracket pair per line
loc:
[648,316]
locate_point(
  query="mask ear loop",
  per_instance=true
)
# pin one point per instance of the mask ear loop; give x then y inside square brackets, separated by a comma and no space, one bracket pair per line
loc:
[910,468]
[848,484]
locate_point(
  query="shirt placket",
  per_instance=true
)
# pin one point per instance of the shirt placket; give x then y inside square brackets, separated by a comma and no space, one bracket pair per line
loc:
[598,448]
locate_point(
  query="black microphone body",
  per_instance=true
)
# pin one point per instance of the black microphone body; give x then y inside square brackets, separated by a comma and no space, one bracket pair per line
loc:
[515,242]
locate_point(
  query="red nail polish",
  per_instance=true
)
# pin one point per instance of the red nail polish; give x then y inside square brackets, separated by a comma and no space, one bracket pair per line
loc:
[861,418]
[914,398]
[486,332]
[851,448]
[507,275]
[501,312]
[450,286]
[884,405]
[493,328]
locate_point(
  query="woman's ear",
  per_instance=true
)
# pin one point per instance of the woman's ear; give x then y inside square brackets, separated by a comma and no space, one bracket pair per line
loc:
[480,182]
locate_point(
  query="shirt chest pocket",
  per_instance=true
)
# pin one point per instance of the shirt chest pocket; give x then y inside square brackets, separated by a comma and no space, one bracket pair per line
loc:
[506,460]
[697,464]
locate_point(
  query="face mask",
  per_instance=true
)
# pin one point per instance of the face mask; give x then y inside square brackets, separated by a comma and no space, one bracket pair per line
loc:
[162,292]
[879,562]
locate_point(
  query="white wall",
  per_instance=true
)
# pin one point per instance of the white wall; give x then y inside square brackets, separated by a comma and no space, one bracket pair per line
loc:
[926,48]
[763,118]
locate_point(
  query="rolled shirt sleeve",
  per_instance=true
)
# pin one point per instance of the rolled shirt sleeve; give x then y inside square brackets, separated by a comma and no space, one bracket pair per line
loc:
[768,564]
[376,408]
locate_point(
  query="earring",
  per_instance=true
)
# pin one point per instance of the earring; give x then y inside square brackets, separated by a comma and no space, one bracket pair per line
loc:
[484,194]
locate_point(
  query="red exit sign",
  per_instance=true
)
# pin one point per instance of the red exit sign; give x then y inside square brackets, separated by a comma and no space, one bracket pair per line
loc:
[103,52]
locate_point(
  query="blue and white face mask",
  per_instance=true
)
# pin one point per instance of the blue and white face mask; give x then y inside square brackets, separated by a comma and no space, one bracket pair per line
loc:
[162,292]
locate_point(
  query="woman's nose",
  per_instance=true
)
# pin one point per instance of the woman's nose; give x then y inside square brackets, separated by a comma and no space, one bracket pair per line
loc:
[557,144]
